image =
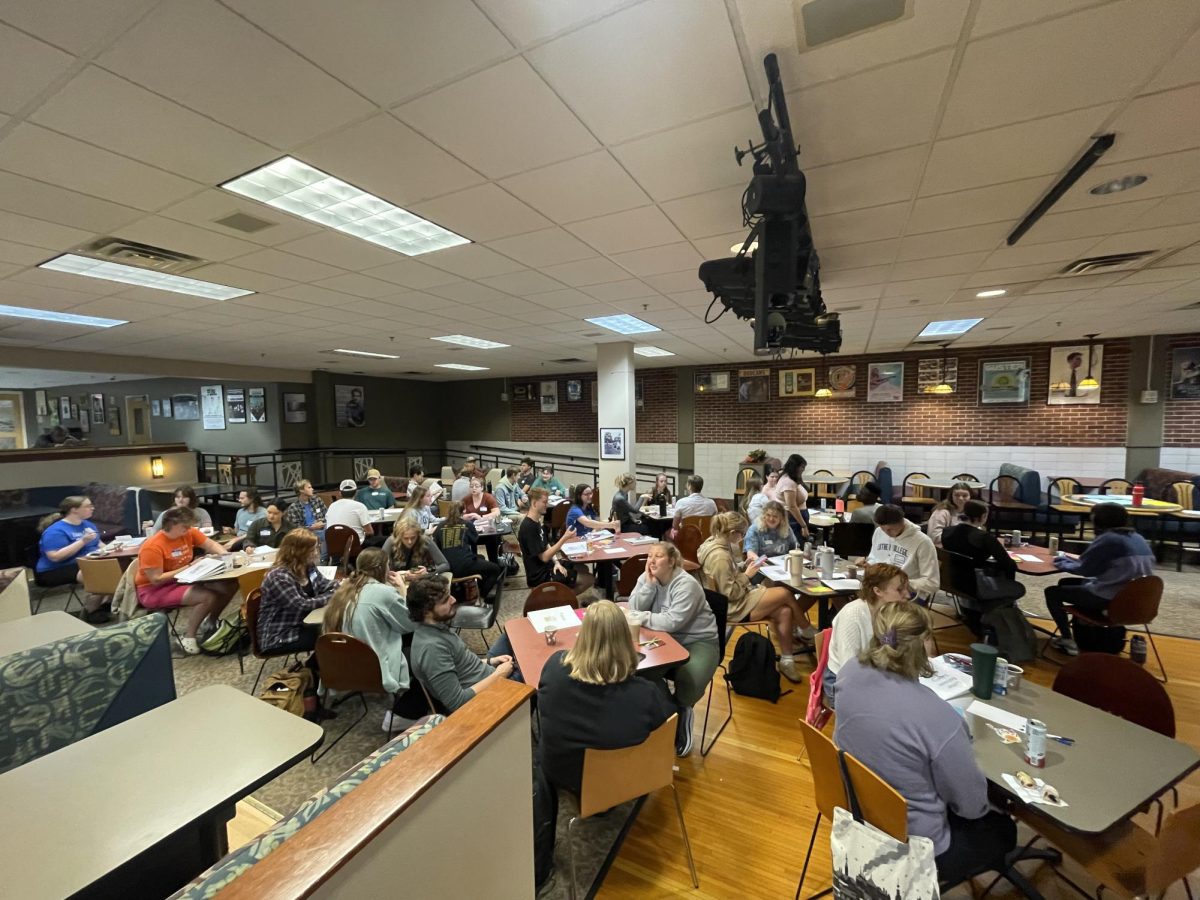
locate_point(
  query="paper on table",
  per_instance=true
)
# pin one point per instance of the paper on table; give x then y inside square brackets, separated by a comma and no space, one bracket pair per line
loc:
[1030,795]
[642,539]
[600,535]
[842,584]
[1028,557]
[329,572]
[996,714]
[775,573]
[575,548]
[614,549]
[556,617]
[947,682]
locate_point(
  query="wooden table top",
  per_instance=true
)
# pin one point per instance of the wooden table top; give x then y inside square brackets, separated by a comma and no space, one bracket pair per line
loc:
[1044,565]
[33,631]
[620,547]
[944,484]
[532,651]
[1149,507]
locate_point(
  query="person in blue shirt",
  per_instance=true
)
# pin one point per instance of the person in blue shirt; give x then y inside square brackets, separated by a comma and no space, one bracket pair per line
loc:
[251,509]
[376,495]
[770,534]
[582,516]
[1116,557]
[510,495]
[66,536]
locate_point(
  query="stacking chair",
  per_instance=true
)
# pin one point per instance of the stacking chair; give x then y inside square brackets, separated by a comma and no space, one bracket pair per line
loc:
[1181,529]
[744,475]
[1135,604]
[1115,486]
[857,480]
[478,618]
[350,667]
[702,523]
[444,508]
[688,540]
[631,570]
[253,602]
[719,605]
[100,576]
[613,777]
[343,544]
[447,475]
[914,497]
[548,596]
[492,479]
[826,492]
[1003,490]
[1058,512]
[966,476]
[558,519]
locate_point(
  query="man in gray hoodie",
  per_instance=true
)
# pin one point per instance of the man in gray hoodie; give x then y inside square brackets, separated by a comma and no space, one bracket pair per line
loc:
[901,543]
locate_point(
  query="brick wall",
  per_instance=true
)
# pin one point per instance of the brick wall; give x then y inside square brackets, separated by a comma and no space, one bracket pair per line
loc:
[1181,418]
[575,421]
[921,419]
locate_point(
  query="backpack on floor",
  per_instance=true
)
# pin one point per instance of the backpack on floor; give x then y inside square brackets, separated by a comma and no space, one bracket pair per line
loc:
[1014,634]
[228,638]
[286,689]
[508,561]
[752,671]
[1099,638]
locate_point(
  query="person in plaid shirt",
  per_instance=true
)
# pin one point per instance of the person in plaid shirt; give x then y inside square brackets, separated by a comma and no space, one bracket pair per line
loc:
[292,589]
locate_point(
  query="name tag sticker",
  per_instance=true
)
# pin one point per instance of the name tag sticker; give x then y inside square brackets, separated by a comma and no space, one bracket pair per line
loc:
[266,532]
[177,552]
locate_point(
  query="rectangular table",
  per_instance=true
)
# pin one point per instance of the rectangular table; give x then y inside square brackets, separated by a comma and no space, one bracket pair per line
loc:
[532,651]
[621,549]
[33,631]
[170,780]
[1114,768]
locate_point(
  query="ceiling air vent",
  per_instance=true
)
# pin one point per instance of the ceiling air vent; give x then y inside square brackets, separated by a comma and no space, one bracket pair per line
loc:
[1112,262]
[240,221]
[131,253]
[567,359]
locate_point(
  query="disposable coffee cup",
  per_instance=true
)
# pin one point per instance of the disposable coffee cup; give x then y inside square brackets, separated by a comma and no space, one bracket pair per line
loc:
[635,629]
[1014,677]
[983,669]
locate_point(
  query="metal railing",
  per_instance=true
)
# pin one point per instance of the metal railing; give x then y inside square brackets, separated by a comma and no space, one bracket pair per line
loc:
[584,468]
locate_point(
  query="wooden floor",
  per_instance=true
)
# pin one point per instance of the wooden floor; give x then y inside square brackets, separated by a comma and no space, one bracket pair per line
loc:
[749,812]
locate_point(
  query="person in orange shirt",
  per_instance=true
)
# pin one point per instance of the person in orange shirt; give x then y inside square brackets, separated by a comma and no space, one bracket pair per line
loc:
[161,556]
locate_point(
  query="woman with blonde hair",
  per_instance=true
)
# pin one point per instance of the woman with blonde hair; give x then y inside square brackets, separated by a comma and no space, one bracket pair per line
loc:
[418,507]
[367,606]
[920,745]
[667,598]
[852,628]
[590,696]
[725,571]
[770,534]
[292,589]
[411,553]
[627,504]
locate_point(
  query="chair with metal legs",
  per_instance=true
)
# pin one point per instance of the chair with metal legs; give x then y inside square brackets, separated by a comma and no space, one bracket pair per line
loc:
[720,610]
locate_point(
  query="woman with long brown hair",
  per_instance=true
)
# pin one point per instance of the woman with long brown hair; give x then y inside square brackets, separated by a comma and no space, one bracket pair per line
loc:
[411,553]
[418,507]
[292,589]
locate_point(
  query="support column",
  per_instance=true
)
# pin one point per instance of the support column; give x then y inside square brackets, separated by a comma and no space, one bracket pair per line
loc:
[1144,436]
[616,408]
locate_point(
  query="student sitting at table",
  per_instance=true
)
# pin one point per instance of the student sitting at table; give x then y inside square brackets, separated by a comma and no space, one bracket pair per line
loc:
[694,504]
[461,486]
[350,512]
[376,494]
[186,498]
[368,607]
[948,512]
[754,498]
[419,507]
[868,495]
[582,517]
[292,589]
[919,744]
[660,494]
[852,630]
[971,538]
[479,505]
[721,563]
[411,553]
[551,485]
[267,530]
[901,543]
[449,670]
[1116,557]
[308,510]
[769,535]
[667,598]
[525,473]
[540,558]
[627,504]
[250,507]
[67,536]
[416,479]
[793,495]
[511,496]
[458,541]
[169,550]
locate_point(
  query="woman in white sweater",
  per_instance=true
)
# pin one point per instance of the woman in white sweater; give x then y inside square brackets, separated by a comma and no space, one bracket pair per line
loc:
[852,629]
[948,512]
[901,543]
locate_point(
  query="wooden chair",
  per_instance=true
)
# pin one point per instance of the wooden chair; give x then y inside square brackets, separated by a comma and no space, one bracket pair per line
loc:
[100,576]
[743,475]
[966,476]
[350,667]
[253,602]
[1135,604]
[613,777]
[492,479]
[548,596]
[444,508]
[631,570]
[825,491]
[857,480]
[915,497]
[328,497]
[1181,492]
[688,540]
[343,544]
[1115,486]
[702,523]
[447,475]
[558,519]
[1064,513]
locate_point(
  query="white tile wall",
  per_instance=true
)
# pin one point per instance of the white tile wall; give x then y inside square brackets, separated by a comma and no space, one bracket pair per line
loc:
[1185,459]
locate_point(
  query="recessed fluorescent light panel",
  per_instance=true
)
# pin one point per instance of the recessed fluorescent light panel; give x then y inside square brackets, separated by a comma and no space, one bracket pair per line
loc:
[108,271]
[462,367]
[648,350]
[62,318]
[365,353]
[948,328]
[309,193]
[996,292]
[468,341]
[623,324]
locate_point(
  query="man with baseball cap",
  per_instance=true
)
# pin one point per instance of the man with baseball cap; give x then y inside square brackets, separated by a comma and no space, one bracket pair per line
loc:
[376,495]
[349,512]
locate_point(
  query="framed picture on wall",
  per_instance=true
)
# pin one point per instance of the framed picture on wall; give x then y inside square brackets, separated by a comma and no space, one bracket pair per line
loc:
[711,382]
[797,382]
[113,417]
[85,421]
[212,407]
[166,407]
[235,400]
[295,409]
[1070,368]
[843,380]
[349,406]
[64,408]
[548,392]
[1004,381]
[74,412]
[187,407]
[612,443]
[574,390]
[97,408]
[520,392]
[39,398]
[937,370]
[754,385]
[885,382]
[257,404]
[155,408]
[1185,373]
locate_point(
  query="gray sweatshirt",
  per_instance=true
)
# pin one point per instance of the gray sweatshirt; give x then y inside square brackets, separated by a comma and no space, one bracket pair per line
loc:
[913,552]
[445,666]
[677,607]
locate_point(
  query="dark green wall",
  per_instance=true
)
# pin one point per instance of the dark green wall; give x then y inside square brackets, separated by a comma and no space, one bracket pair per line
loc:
[490,417]
[400,413]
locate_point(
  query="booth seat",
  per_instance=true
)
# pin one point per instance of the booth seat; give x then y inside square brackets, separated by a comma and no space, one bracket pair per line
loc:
[1157,481]
[115,505]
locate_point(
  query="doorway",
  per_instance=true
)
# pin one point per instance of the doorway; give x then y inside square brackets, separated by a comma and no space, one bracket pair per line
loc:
[137,416]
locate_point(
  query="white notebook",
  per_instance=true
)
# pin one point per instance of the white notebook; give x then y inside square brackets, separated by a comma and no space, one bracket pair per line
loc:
[557,617]
[201,569]
[947,682]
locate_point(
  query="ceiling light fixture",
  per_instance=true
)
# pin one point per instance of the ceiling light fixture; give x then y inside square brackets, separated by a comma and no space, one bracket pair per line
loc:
[462,367]
[468,341]
[995,292]
[74,264]
[623,324]
[648,350]
[309,193]
[943,386]
[62,318]
[366,353]
[1119,184]
[948,328]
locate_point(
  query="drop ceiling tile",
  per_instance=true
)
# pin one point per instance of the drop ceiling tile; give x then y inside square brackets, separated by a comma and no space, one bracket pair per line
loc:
[55,204]
[660,260]
[870,181]
[958,240]
[1162,272]
[546,247]
[1173,238]
[21,254]
[507,306]
[1181,209]
[582,188]
[411,274]
[587,272]
[853,256]
[959,264]
[564,299]
[286,265]
[1071,282]
[1184,67]
[73,26]
[44,284]
[652,66]
[1096,221]
[849,278]
[206,208]
[40,333]
[621,290]
[522,283]
[1005,203]
[1157,124]
[467,292]
[707,214]
[172,235]
[340,250]
[929,290]
[720,246]
[47,156]
[482,213]
[471,261]
[358,285]
[530,21]
[629,230]
[171,51]
[27,67]
[1034,254]
[859,226]
[239,278]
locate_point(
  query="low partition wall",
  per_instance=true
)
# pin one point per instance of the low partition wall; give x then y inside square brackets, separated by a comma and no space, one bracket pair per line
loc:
[126,466]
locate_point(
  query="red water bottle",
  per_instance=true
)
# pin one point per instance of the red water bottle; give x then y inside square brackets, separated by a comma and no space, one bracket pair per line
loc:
[1139,492]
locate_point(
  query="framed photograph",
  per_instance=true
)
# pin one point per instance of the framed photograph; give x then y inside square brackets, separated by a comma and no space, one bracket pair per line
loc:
[1004,380]
[754,385]
[612,443]
[64,407]
[932,372]
[85,421]
[187,407]
[520,392]
[349,406]
[885,382]
[295,408]
[155,408]
[113,417]
[97,408]
[1069,367]
[40,399]
[235,403]
[257,404]
[639,397]
[594,387]
[166,407]
[212,407]
[842,381]
[1185,373]
[548,392]
[74,412]
[574,390]
[711,382]
[797,382]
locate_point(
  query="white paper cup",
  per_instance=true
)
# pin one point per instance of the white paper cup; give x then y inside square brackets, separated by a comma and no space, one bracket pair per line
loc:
[635,629]
[1015,674]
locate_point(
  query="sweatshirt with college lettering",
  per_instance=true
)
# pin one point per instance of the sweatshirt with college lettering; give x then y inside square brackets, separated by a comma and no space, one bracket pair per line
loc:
[913,552]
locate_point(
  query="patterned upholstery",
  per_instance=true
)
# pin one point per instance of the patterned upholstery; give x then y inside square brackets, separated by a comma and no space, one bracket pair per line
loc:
[59,693]
[234,864]
[1157,481]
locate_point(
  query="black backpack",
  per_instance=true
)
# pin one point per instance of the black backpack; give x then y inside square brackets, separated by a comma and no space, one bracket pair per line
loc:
[752,671]
[509,563]
[1014,634]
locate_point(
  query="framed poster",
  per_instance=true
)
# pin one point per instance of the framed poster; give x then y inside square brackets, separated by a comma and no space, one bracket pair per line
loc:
[166,407]
[1004,380]
[612,443]
[97,408]
[85,421]
[595,388]
[932,372]
[1068,367]
[1185,373]
[40,399]
[257,404]
[520,392]
[548,392]
[155,408]
[113,418]
[212,407]
[349,406]
[64,408]
[885,382]
[295,408]
[187,407]
[711,382]
[574,390]
[235,401]
[842,381]
[797,382]
[754,385]
[74,412]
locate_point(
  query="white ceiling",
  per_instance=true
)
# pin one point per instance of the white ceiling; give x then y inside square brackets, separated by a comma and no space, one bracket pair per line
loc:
[29,379]
[585,146]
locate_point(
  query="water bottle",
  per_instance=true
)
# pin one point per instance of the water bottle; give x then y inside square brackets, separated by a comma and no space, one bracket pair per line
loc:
[1139,493]
[1137,649]
[828,558]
